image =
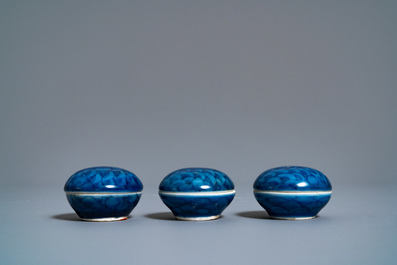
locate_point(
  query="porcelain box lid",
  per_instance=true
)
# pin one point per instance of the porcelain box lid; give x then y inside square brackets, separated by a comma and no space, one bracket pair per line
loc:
[104,179]
[292,178]
[196,180]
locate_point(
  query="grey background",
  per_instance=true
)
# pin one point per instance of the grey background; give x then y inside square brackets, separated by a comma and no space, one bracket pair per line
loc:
[240,86]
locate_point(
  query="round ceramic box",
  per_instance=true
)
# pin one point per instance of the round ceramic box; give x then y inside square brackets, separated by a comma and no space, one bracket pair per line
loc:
[292,192]
[197,194]
[103,193]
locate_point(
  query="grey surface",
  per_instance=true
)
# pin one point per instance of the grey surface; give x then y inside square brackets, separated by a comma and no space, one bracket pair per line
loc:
[153,86]
[358,226]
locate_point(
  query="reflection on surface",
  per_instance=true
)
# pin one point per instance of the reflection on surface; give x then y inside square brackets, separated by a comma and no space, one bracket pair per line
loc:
[302,184]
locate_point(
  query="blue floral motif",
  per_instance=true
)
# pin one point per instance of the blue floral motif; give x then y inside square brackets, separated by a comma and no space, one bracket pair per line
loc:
[197,180]
[292,178]
[197,206]
[105,179]
[292,206]
[103,206]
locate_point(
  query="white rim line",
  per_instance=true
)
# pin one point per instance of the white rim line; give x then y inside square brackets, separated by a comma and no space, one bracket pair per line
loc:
[198,193]
[206,218]
[87,193]
[294,218]
[294,192]
[105,219]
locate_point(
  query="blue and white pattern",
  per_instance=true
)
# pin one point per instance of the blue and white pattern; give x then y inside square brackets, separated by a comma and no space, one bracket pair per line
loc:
[204,207]
[100,206]
[196,179]
[292,178]
[103,193]
[292,205]
[104,179]
[292,192]
[197,193]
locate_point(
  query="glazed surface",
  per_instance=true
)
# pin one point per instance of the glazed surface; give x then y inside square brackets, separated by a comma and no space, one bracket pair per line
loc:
[292,206]
[292,178]
[105,179]
[197,206]
[103,206]
[197,180]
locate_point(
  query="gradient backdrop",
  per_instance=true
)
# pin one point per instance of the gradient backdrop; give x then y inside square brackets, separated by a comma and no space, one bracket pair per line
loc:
[240,86]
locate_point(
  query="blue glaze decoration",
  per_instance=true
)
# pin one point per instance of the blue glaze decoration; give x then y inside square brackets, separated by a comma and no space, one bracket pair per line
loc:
[292,192]
[197,193]
[103,193]
[103,179]
[88,206]
[197,180]
[292,206]
[197,206]
[292,178]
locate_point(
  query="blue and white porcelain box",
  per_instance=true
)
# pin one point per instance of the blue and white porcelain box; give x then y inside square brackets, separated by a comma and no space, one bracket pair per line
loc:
[103,193]
[197,194]
[292,192]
